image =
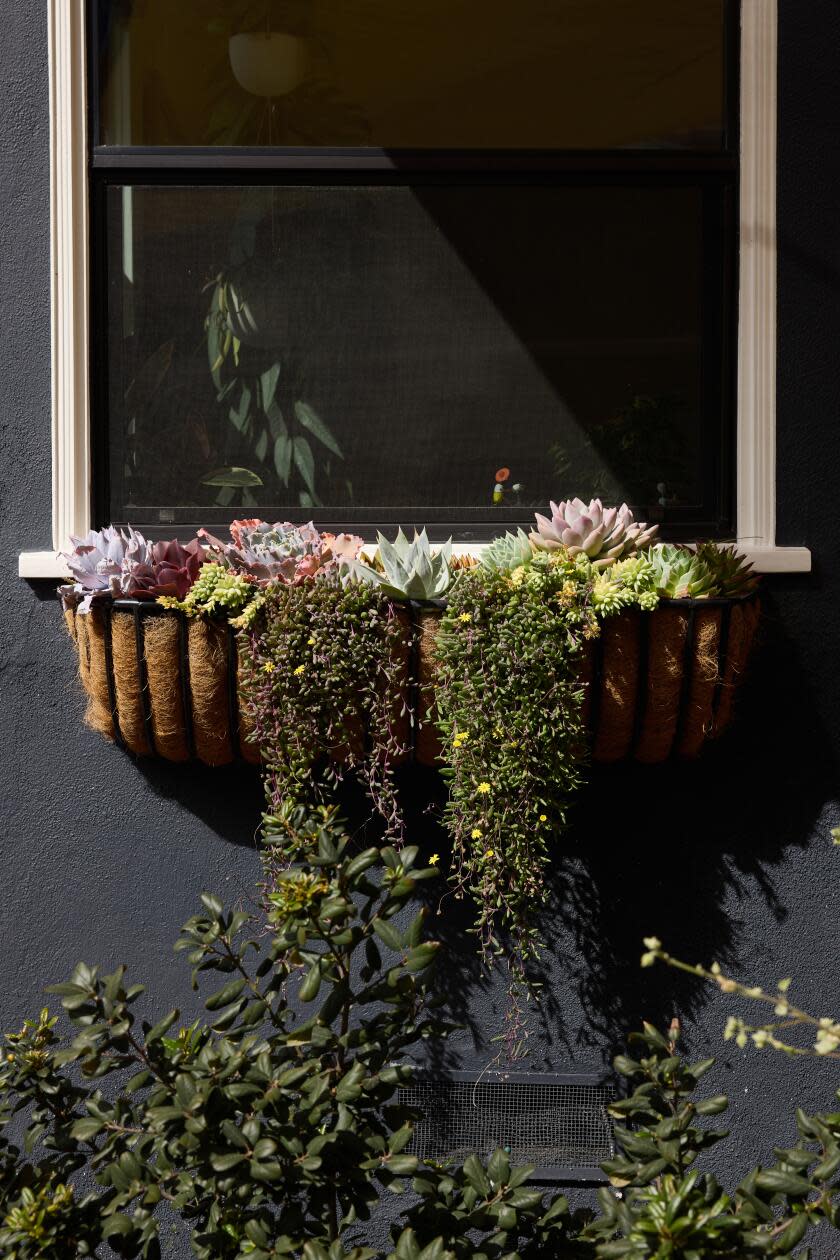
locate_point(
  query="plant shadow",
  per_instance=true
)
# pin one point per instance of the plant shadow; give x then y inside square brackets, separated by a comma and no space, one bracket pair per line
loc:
[671,850]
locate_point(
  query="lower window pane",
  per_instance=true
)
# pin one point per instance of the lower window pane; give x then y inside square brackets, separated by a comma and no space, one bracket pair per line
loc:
[376,354]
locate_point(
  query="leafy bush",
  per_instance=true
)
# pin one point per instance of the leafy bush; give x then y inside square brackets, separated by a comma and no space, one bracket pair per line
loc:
[272,1126]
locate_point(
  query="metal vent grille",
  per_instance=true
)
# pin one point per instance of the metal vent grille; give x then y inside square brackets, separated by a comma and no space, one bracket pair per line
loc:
[558,1123]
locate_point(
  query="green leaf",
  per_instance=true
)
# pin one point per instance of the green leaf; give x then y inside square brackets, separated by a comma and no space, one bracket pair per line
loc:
[238,415]
[388,934]
[310,420]
[283,457]
[475,1175]
[311,983]
[712,1106]
[225,1161]
[304,461]
[228,993]
[268,385]
[232,476]
[158,1030]
[779,1182]
[498,1170]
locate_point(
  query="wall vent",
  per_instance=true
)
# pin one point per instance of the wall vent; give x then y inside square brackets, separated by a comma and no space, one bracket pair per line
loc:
[559,1123]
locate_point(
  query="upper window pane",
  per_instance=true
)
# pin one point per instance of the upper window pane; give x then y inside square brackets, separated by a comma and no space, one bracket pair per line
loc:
[556,74]
[378,354]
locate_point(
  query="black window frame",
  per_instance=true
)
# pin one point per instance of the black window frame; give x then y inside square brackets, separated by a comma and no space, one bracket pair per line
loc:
[716,172]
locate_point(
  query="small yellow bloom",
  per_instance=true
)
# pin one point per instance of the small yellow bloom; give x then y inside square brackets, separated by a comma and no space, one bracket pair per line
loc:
[543,817]
[299,669]
[269,667]
[310,642]
[489,853]
[476,833]
[484,788]
[464,617]
[10,1058]
[434,859]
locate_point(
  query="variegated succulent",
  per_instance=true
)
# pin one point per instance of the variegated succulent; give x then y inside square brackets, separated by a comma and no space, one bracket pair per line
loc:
[410,569]
[281,552]
[626,584]
[603,534]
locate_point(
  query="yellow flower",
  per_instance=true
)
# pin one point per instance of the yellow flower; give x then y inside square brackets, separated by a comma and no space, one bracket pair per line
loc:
[269,667]
[484,788]
[310,642]
[543,817]
[299,669]
[489,853]
[464,617]
[476,833]
[459,739]
[434,859]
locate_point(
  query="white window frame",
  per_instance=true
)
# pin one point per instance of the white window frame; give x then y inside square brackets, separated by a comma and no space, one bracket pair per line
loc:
[69,240]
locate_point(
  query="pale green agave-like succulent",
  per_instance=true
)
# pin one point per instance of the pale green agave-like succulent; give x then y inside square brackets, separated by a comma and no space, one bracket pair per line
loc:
[508,552]
[410,568]
[679,573]
[734,574]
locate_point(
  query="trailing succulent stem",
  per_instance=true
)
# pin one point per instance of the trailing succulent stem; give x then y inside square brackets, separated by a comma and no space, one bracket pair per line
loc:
[509,697]
[323,683]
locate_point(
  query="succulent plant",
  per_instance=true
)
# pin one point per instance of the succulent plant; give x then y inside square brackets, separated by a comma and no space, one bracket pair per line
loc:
[626,584]
[281,552]
[679,573]
[603,534]
[218,590]
[410,569]
[733,572]
[161,568]
[508,552]
[97,562]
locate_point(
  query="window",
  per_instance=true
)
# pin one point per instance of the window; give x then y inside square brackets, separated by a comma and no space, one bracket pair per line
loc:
[553,186]
[368,346]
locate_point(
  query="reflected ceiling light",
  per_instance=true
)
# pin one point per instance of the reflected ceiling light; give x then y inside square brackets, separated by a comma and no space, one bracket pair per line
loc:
[268,63]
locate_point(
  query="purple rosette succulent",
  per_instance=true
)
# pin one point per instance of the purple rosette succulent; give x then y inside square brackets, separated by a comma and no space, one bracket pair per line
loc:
[162,568]
[96,563]
[109,563]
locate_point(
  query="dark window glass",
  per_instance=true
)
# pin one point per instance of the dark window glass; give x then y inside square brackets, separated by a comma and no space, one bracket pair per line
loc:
[522,74]
[375,354]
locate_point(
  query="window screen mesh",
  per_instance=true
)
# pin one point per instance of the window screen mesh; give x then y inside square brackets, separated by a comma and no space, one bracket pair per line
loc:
[555,1126]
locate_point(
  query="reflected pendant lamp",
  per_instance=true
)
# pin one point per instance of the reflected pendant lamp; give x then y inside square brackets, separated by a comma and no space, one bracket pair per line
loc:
[269,64]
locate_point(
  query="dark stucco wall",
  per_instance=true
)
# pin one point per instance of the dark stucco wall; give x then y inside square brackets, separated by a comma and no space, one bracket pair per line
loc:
[104,858]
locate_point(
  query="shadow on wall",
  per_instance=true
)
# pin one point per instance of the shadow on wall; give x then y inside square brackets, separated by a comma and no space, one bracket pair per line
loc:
[663,849]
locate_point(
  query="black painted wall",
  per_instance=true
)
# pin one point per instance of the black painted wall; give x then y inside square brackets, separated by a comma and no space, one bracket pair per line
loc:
[729,859]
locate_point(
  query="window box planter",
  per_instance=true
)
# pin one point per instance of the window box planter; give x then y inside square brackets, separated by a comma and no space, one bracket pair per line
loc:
[658,684]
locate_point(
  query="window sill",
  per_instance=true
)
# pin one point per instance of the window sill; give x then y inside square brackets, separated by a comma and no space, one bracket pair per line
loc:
[49,565]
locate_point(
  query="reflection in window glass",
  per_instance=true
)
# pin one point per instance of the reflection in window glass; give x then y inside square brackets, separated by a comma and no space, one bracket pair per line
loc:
[576,74]
[377,353]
